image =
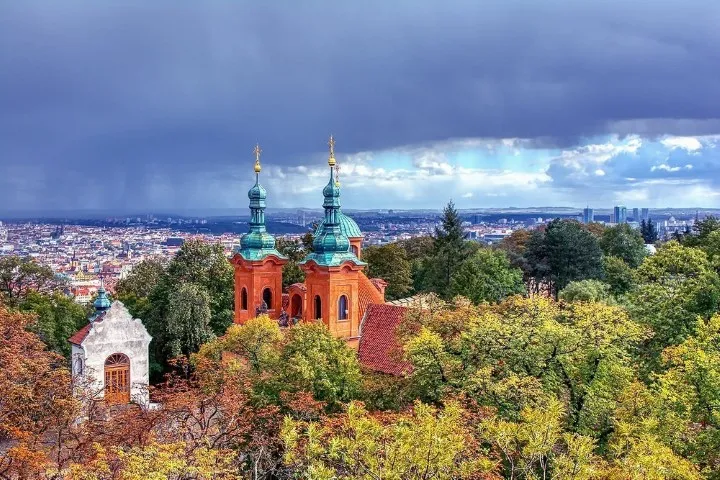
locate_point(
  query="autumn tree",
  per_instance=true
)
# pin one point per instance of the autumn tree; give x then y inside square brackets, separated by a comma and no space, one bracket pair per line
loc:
[390,263]
[187,322]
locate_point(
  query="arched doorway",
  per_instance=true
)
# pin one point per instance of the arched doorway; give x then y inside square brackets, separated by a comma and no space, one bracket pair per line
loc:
[117,378]
[267,298]
[296,306]
[318,307]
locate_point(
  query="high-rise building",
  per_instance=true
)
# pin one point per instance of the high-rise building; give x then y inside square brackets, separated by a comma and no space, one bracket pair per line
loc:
[636,214]
[588,215]
[620,214]
[645,214]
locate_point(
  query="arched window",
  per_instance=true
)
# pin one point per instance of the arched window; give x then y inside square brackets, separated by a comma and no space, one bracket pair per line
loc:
[243,299]
[267,298]
[342,308]
[318,307]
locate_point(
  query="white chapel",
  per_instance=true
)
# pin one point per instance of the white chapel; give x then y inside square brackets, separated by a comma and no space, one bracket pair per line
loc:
[111,354]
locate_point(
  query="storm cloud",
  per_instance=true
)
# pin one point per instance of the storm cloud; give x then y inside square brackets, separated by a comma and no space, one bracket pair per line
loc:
[158,104]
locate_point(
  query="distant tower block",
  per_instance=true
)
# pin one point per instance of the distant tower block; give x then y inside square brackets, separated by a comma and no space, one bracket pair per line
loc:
[258,265]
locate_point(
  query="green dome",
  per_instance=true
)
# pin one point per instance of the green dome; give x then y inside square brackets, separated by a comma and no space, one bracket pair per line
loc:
[102,302]
[257,192]
[347,226]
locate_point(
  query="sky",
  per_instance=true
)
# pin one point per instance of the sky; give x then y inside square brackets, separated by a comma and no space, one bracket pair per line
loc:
[135,105]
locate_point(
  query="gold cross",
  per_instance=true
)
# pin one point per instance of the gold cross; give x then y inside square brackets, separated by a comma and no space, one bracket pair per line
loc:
[331,144]
[257,152]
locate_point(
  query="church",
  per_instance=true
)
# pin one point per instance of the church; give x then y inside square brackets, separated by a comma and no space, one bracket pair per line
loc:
[336,290]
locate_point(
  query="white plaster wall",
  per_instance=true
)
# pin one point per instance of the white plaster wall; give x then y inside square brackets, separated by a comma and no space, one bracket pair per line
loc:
[118,332]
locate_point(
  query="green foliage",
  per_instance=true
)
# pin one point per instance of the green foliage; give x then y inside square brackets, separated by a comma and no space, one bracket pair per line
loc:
[675,287]
[563,253]
[624,242]
[586,291]
[390,263]
[487,276]
[58,317]
[618,275]
[295,251]
[648,230]
[450,250]
[135,289]
[314,361]
[187,322]
[21,275]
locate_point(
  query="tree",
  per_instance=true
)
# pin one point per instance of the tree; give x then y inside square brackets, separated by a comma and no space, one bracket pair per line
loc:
[57,317]
[618,275]
[563,253]
[295,251]
[675,287]
[21,275]
[135,289]
[450,250]
[648,230]
[423,444]
[487,276]
[37,405]
[314,361]
[390,263]
[624,242]
[586,291]
[515,246]
[188,320]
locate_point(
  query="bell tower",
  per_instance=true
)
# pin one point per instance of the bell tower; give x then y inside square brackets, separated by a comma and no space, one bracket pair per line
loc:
[258,265]
[332,270]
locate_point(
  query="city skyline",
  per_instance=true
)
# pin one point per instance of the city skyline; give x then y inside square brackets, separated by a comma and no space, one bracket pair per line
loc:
[157,107]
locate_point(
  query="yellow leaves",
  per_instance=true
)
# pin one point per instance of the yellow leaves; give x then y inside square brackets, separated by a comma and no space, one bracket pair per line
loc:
[426,443]
[157,461]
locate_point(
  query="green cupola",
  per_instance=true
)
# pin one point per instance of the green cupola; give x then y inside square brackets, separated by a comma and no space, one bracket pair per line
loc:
[101,303]
[331,246]
[257,243]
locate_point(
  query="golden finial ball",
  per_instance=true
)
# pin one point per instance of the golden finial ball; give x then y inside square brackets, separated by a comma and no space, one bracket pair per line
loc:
[257,167]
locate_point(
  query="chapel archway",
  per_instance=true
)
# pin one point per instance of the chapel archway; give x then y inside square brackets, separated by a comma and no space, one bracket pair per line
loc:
[318,307]
[117,378]
[267,298]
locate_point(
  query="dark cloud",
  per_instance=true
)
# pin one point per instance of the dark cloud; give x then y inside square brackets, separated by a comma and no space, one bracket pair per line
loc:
[154,94]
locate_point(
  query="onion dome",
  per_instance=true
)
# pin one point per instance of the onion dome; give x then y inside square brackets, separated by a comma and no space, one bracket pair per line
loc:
[257,243]
[331,246]
[347,226]
[101,303]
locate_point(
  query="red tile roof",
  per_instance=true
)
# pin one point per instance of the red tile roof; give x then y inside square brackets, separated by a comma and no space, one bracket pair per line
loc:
[379,349]
[80,335]
[368,294]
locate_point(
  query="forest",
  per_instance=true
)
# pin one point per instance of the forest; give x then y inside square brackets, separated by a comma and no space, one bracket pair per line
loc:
[564,352]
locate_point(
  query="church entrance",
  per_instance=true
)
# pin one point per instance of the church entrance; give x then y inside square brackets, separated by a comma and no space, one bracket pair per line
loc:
[117,379]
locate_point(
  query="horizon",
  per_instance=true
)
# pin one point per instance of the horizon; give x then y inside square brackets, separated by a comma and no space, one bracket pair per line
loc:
[158,107]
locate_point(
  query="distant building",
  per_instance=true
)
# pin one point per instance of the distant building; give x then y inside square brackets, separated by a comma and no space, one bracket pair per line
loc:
[620,214]
[588,215]
[636,214]
[174,242]
[645,214]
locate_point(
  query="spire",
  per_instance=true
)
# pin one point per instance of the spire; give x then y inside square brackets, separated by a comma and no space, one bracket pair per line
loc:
[257,243]
[331,246]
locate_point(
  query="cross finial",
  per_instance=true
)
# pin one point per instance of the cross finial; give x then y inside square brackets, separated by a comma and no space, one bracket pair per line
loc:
[331,158]
[257,152]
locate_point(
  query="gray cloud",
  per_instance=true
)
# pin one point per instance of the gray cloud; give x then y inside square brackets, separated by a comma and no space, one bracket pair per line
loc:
[146,100]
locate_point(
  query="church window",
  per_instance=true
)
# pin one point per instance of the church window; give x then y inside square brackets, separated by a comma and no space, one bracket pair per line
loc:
[355,250]
[318,307]
[243,299]
[296,306]
[342,308]
[117,378]
[267,297]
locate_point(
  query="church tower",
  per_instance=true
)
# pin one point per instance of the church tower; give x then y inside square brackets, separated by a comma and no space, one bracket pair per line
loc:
[332,271]
[258,265]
